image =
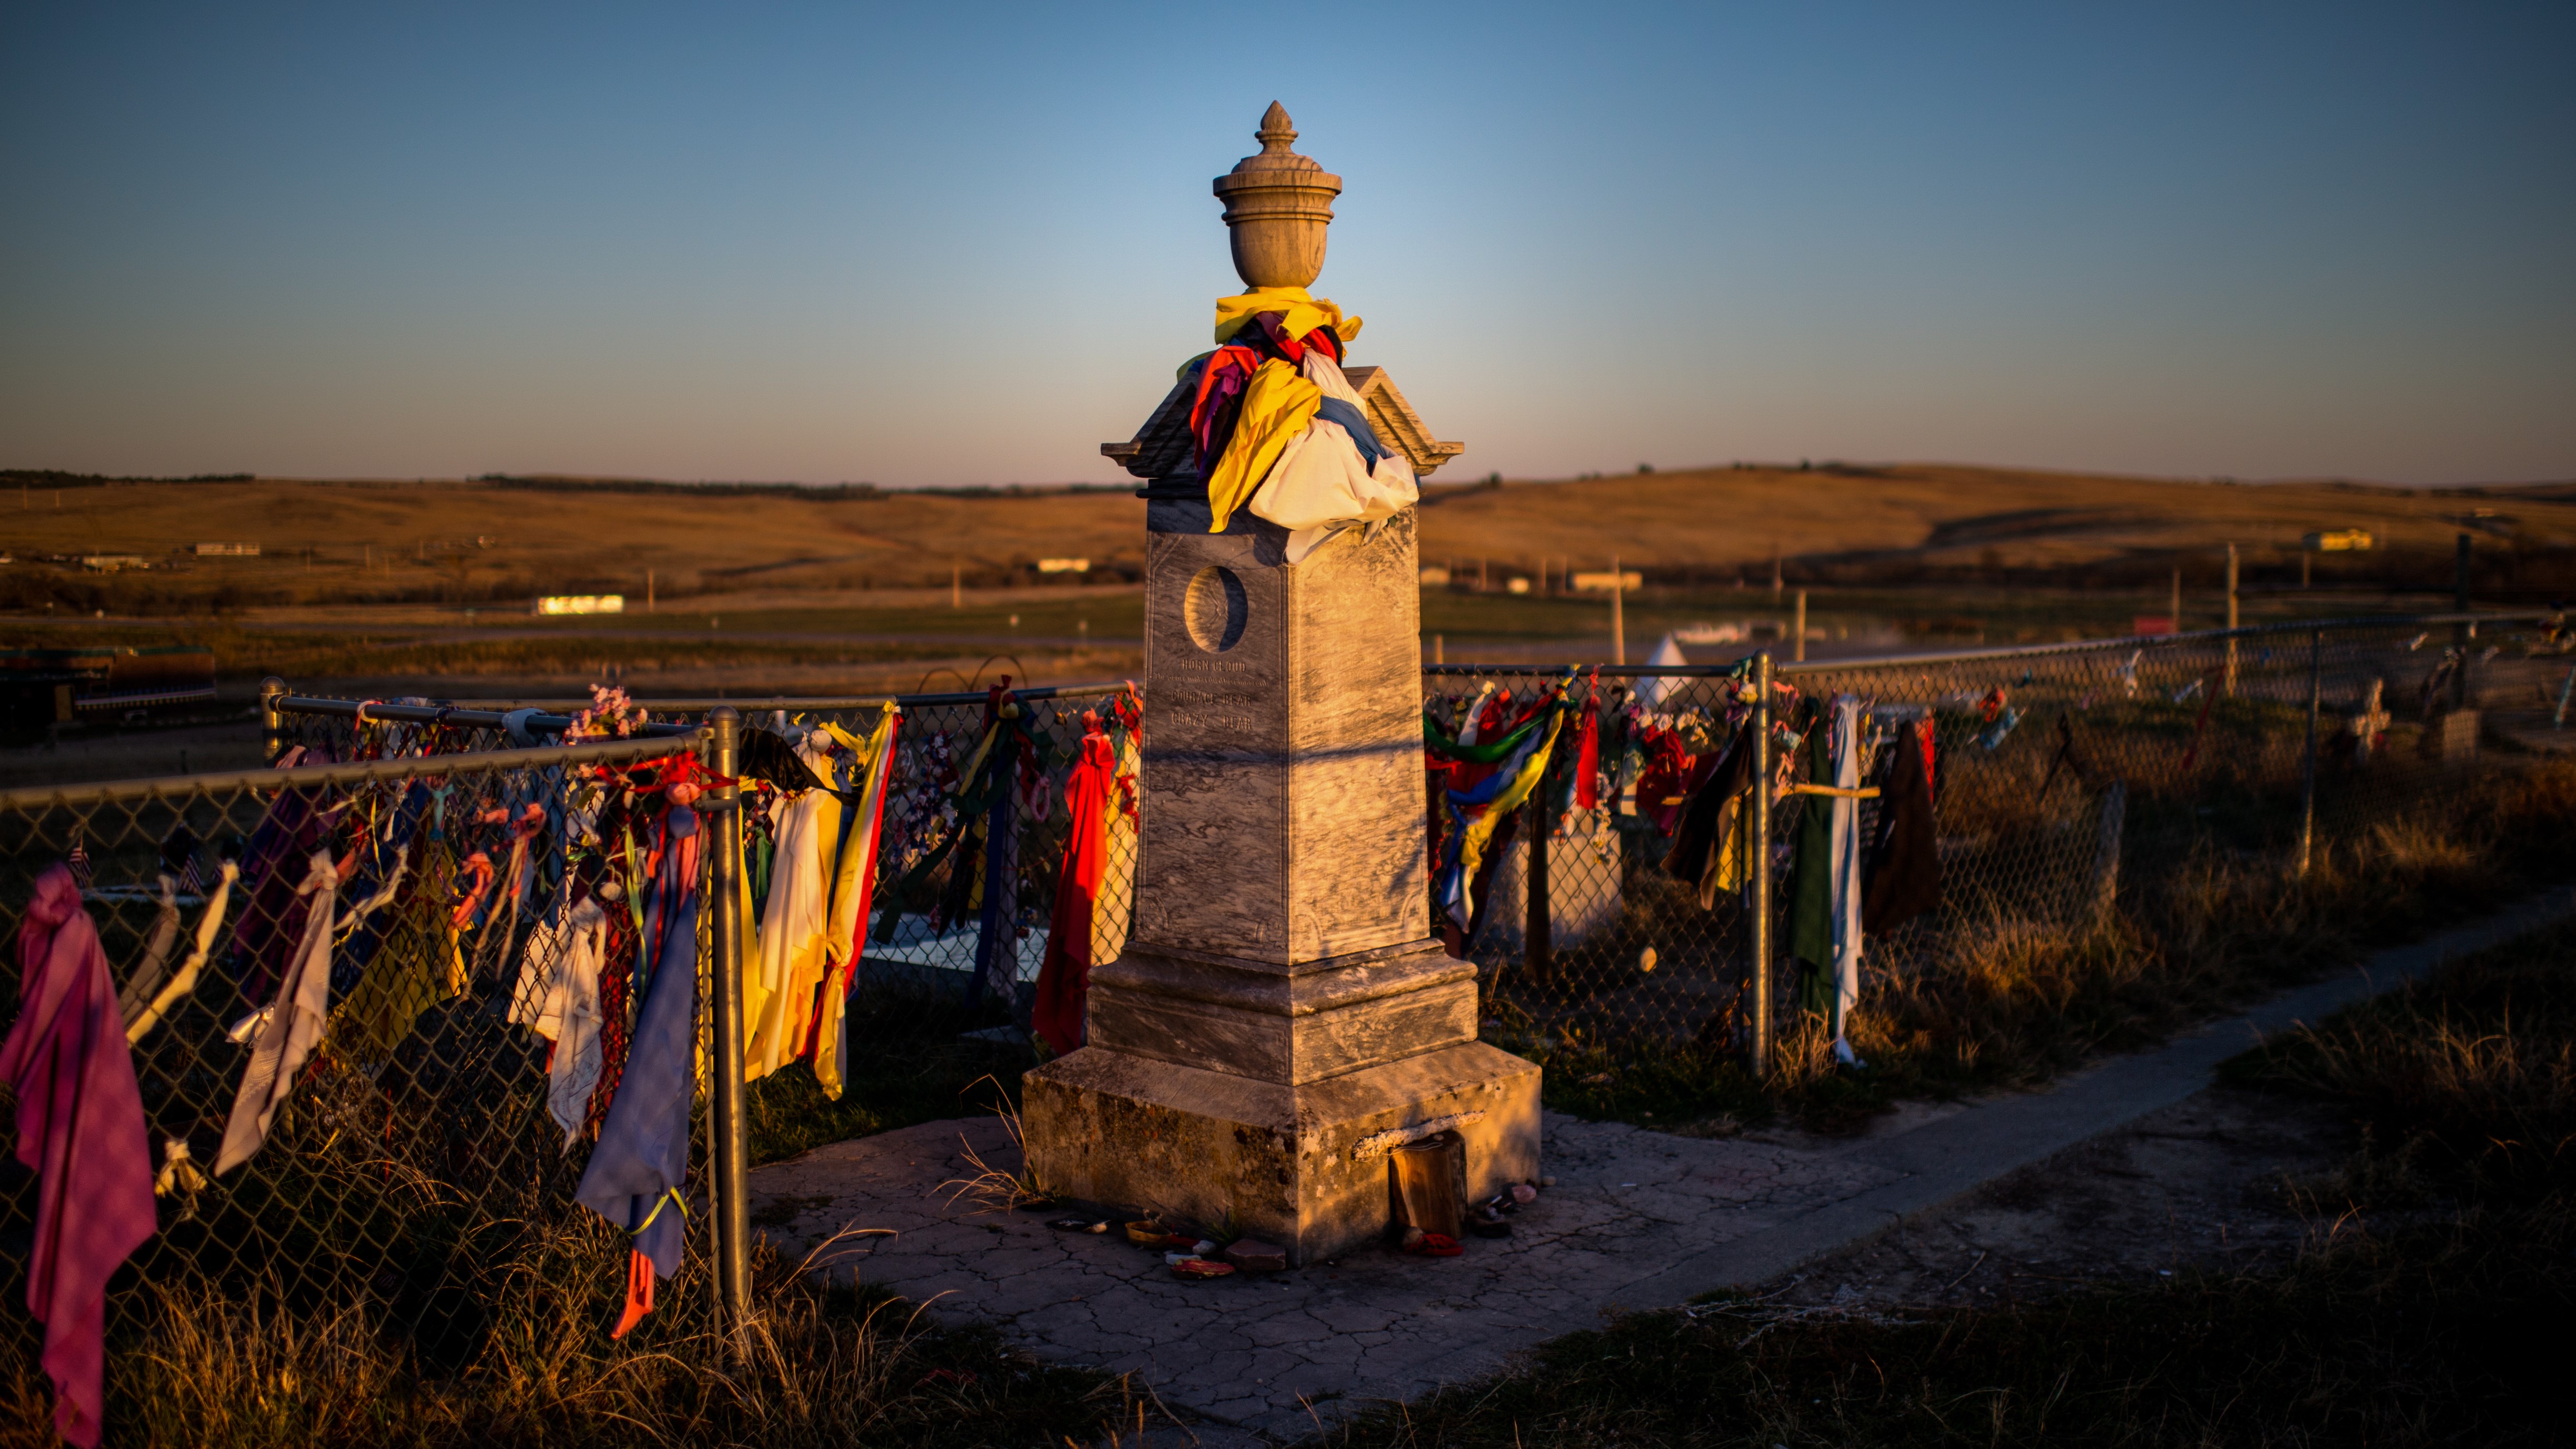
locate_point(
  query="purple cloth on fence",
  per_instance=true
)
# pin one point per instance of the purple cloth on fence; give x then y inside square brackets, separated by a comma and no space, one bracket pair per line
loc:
[643,1154]
[80,1126]
[272,876]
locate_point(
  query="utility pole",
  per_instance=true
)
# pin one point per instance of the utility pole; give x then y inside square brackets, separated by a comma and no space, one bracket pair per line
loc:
[1799,650]
[1618,613]
[1775,573]
[648,591]
[2231,621]
[956,586]
[2176,607]
[2460,632]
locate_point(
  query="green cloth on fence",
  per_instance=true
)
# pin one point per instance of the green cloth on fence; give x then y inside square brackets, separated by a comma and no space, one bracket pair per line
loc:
[1486,752]
[1811,876]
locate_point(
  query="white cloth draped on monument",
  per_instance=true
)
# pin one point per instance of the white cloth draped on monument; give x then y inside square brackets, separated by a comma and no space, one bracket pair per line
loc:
[1335,474]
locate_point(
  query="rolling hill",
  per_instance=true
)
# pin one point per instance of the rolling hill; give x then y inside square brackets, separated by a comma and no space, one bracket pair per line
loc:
[504,541]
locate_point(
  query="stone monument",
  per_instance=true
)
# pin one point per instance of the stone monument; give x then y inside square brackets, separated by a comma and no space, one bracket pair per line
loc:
[1282,1017]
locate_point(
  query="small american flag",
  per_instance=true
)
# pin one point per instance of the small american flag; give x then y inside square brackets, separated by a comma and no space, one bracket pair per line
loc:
[78,860]
[179,858]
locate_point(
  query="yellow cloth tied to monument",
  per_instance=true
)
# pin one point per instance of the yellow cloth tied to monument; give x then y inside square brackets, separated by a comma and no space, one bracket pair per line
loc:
[1301,313]
[1276,407]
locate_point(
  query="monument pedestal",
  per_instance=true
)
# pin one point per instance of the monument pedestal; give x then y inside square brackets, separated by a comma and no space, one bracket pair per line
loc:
[1300,1166]
[1282,1017]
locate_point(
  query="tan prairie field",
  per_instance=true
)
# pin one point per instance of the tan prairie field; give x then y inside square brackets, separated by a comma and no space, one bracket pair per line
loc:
[457,542]
[392,588]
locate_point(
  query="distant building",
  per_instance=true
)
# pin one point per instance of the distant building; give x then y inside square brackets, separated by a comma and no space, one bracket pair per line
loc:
[44,687]
[1516,586]
[582,604]
[146,683]
[108,563]
[1708,634]
[1064,565]
[1604,582]
[2340,540]
[1434,576]
[227,550]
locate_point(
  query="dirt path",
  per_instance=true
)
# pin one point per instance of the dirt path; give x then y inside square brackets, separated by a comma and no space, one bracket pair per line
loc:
[2203,1184]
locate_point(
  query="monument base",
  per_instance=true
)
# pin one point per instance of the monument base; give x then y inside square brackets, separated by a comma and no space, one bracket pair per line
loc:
[1304,1167]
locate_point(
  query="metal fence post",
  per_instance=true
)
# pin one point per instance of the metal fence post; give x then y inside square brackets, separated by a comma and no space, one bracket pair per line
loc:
[1758,861]
[2106,849]
[272,720]
[2308,766]
[732,1210]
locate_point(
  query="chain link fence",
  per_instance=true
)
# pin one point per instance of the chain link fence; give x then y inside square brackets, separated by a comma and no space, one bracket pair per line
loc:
[2061,777]
[429,1140]
[420,1147]
[935,959]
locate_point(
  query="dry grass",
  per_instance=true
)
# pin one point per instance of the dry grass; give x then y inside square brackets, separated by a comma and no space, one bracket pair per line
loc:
[2427,1308]
[1930,514]
[460,541]
[2465,1081]
[1001,1189]
[2009,1002]
[817,1366]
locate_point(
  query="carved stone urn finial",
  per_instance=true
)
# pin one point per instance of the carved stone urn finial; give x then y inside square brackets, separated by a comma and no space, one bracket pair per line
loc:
[1277,205]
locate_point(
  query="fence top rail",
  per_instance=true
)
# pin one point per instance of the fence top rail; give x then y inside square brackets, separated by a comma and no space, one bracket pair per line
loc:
[42,797]
[525,717]
[1781,667]
[498,717]
[750,707]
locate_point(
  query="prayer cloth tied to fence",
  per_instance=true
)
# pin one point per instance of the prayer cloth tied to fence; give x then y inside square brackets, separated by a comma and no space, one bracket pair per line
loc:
[1090,890]
[80,1126]
[1498,776]
[636,1172]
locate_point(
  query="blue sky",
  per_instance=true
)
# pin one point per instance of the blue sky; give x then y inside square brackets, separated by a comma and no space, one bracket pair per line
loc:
[965,244]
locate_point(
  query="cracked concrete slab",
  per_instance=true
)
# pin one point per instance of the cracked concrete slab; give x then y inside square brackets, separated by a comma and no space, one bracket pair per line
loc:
[1635,1219]
[1272,1353]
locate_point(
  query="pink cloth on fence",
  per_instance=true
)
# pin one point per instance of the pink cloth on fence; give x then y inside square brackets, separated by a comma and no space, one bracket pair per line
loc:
[80,1126]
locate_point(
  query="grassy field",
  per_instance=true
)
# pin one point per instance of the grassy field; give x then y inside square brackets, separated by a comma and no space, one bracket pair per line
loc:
[823,1367]
[466,542]
[2012,1005]
[846,641]
[2423,1312]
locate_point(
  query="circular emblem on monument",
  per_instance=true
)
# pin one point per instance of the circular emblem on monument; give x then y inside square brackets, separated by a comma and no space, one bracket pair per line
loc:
[1213,608]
